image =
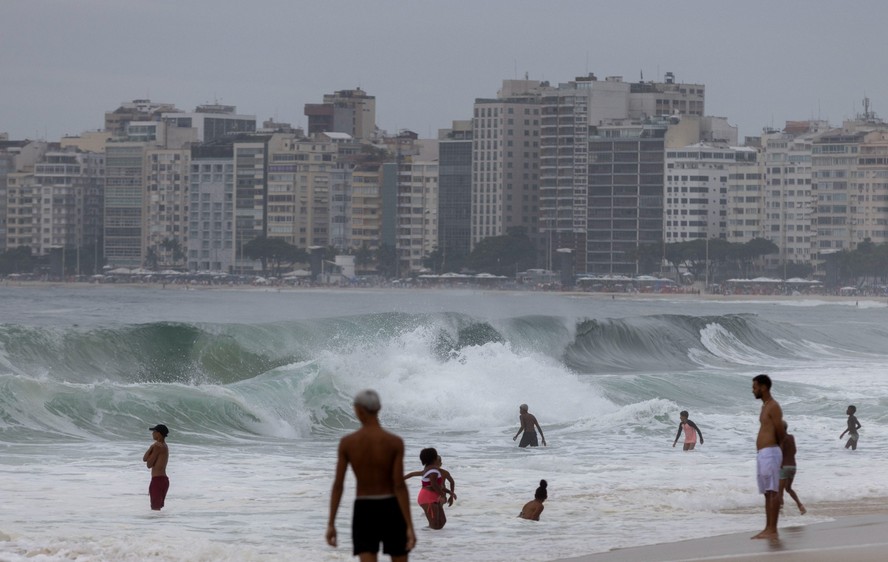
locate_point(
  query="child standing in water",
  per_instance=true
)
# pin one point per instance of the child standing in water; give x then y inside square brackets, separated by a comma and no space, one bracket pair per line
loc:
[690,430]
[788,469]
[853,426]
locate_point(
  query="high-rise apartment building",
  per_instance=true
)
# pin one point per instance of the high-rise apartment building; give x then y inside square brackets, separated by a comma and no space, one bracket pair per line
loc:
[696,188]
[417,206]
[746,197]
[790,202]
[69,187]
[165,207]
[454,193]
[250,153]
[211,217]
[23,221]
[127,171]
[580,113]
[505,161]
[624,195]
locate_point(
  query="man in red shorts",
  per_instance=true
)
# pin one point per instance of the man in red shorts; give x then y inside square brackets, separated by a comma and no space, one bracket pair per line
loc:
[156,458]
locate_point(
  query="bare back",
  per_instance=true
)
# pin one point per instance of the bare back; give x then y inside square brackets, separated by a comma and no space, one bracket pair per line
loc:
[527,421]
[771,430]
[376,456]
[532,510]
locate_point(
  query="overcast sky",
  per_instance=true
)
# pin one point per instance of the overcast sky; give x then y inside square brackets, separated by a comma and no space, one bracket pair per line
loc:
[63,63]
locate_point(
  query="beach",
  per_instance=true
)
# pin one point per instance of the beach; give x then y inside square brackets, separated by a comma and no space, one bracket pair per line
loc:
[256,384]
[858,533]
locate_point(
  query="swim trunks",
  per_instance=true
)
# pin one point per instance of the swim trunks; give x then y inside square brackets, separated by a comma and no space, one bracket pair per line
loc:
[529,438]
[379,520]
[157,490]
[767,463]
[853,436]
[787,472]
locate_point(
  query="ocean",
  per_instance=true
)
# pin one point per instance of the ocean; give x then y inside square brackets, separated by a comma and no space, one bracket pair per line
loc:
[256,387]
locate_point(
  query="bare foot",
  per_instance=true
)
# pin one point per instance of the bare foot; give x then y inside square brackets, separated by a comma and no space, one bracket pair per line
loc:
[766,535]
[802,510]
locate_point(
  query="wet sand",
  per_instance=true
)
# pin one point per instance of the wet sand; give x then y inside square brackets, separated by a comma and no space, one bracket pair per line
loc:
[860,534]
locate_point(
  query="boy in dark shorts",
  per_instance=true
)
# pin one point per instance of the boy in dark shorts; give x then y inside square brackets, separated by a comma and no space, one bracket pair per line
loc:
[382,509]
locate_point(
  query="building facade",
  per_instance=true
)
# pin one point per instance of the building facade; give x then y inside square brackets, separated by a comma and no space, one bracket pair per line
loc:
[506,161]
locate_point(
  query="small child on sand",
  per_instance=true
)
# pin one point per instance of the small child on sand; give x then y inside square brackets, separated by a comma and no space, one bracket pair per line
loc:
[853,426]
[690,430]
[534,507]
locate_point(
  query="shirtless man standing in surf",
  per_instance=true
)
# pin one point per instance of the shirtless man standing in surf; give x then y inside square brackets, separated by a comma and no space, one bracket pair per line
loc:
[382,509]
[770,456]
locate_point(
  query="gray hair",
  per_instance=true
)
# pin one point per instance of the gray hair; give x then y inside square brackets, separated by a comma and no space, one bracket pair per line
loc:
[369,400]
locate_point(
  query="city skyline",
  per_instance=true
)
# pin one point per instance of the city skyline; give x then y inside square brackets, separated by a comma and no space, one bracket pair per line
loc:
[762,63]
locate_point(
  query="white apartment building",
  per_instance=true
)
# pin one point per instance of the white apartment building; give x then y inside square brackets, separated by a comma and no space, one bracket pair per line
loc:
[790,202]
[210,244]
[746,197]
[165,211]
[696,192]
[366,205]
[68,199]
[417,206]
[505,161]
[572,114]
[23,220]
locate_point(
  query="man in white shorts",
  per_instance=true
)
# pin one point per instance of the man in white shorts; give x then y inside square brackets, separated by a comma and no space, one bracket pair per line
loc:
[770,456]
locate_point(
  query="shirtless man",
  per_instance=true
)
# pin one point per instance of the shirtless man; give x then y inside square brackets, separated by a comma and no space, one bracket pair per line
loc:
[156,458]
[528,421]
[382,510]
[770,456]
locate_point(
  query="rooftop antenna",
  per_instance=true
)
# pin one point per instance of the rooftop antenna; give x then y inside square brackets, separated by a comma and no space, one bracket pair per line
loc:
[587,63]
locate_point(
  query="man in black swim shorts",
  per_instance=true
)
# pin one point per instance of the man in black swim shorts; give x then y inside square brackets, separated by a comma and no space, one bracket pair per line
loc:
[382,509]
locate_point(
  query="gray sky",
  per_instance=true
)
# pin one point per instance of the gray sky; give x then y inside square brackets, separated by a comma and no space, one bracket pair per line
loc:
[65,62]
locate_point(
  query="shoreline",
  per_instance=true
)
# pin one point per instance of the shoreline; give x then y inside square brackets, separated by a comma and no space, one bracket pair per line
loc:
[858,532]
[870,299]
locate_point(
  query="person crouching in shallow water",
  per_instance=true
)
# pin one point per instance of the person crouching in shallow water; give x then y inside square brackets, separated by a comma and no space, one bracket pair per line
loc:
[534,507]
[432,494]
[156,458]
[770,456]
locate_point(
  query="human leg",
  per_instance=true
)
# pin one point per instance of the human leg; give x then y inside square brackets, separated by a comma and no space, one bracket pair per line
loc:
[768,461]
[794,496]
[158,489]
